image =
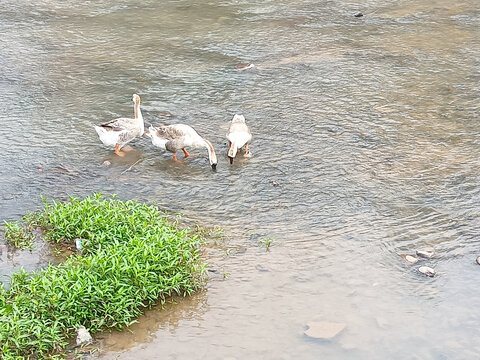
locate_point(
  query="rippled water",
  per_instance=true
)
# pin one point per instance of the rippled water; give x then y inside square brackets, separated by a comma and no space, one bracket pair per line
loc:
[366,146]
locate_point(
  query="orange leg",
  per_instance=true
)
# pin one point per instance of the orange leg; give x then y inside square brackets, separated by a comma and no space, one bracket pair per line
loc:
[117,151]
[185,152]
[175,158]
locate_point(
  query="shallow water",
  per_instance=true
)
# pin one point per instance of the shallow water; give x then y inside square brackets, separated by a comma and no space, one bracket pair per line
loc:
[366,147]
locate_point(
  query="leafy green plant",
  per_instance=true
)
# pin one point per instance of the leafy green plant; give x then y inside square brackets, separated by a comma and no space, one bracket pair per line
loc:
[266,242]
[132,257]
[18,236]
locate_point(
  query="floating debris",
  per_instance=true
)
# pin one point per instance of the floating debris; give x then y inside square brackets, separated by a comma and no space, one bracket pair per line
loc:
[83,336]
[478,260]
[324,330]
[426,253]
[78,244]
[428,271]
[410,259]
[245,66]
[358,15]
[275,183]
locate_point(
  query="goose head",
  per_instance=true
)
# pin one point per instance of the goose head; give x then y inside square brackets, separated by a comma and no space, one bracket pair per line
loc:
[238,119]
[136,99]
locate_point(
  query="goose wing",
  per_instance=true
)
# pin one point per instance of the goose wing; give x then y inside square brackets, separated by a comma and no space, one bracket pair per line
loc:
[119,124]
[173,137]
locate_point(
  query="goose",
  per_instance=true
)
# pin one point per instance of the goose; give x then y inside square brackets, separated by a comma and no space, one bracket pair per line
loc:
[179,136]
[121,131]
[238,135]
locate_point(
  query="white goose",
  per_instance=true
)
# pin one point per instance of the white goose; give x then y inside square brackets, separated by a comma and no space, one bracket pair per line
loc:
[238,135]
[121,131]
[179,136]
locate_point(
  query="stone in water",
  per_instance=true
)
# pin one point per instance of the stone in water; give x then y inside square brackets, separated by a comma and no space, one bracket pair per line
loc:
[411,259]
[323,330]
[83,336]
[244,66]
[426,253]
[425,270]
[478,260]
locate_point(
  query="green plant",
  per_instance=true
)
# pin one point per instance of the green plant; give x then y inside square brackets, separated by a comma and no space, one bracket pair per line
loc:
[132,257]
[266,242]
[18,236]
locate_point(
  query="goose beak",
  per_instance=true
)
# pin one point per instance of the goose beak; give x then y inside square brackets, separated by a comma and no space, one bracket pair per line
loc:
[214,167]
[231,160]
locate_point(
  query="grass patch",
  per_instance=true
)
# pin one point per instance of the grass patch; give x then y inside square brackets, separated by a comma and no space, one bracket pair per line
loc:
[131,258]
[18,236]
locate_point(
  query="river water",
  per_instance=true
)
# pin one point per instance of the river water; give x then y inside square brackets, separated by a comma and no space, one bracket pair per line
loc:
[366,147]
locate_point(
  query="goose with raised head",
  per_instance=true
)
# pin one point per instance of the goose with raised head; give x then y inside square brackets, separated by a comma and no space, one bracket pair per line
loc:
[238,136]
[119,132]
[178,137]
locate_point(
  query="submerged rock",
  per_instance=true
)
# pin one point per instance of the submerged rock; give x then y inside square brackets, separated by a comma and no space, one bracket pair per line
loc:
[426,253]
[358,14]
[245,66]
[106,163]
[428,271]
[83,336]
[323,329]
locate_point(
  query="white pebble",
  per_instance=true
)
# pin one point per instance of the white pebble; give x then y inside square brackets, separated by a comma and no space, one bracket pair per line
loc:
[426,253]
[411,259]
[83,336]
[425,270]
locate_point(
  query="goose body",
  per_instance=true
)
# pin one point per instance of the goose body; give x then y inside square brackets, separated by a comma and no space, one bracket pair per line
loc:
[121,131]
[238,135]
[178,137]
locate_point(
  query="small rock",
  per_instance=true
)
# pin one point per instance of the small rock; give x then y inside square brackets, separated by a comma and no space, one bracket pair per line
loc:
[274,183]
[411,259]
[324,330]
[83,336]
[106,163]
[428,271]
[478,260]
[244,66]
[261,268]
[358,14]
[426,253]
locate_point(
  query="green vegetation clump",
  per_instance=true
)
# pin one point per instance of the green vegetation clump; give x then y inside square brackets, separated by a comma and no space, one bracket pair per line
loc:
[18,236]
[266,242]
[131,257]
